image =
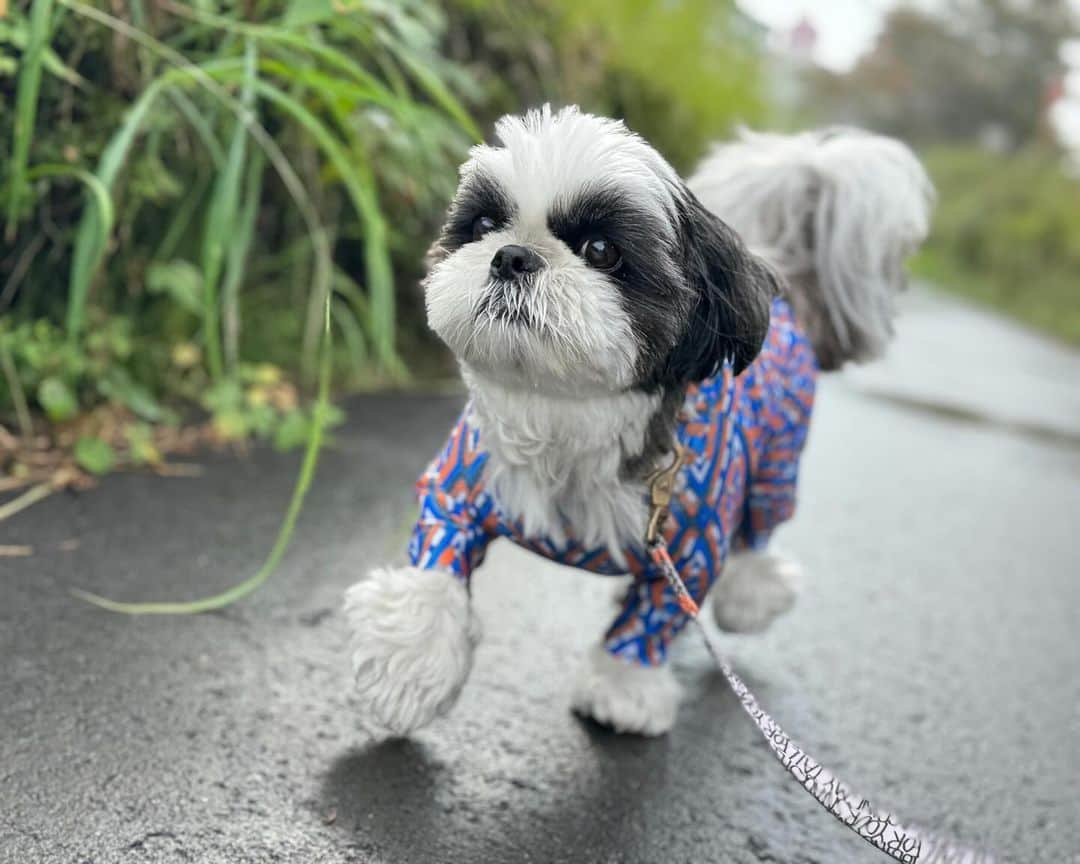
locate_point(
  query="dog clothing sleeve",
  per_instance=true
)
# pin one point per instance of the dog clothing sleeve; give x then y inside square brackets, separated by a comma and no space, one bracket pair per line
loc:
[650,617]
[450,532]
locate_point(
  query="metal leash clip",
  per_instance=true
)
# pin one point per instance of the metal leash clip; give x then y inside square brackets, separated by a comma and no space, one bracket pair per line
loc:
[661,490]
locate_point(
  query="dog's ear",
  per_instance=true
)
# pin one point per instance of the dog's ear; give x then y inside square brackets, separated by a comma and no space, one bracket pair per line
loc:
[436,253]
[734,289]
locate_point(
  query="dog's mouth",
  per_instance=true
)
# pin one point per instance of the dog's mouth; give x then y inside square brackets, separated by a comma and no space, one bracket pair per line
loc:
[505,302]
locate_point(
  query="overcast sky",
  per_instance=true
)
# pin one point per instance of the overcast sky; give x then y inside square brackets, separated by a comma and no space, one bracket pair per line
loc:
[846,28]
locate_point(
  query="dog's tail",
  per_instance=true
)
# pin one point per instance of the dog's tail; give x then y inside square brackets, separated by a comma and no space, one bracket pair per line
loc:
[837,211]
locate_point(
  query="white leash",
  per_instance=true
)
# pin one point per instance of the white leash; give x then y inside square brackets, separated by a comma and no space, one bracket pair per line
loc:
[877,827]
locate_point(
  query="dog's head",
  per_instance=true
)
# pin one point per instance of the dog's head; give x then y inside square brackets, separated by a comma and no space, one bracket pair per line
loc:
[575,261]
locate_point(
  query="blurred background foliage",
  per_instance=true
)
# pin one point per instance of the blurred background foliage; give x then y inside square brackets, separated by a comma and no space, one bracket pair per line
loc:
[185,186]
[972,87]
[1007,233]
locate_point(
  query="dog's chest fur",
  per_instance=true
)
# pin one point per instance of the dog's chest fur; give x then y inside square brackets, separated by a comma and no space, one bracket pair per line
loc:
[581,462]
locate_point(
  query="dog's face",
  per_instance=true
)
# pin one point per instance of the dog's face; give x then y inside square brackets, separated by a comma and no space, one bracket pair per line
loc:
[575,261]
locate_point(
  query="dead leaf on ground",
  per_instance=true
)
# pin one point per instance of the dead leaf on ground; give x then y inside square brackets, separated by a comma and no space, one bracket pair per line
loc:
[40,459]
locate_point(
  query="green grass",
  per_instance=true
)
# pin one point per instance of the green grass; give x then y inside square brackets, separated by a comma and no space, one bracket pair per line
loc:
[193,194]
[1049,302]
[285,531]
[210,87]
[26,106]
[1006,233]
[173,138]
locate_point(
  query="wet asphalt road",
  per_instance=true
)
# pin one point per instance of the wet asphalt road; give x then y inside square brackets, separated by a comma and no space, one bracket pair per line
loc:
[934,661]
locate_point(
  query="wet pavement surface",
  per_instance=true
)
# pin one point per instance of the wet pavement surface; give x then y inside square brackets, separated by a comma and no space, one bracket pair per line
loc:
[933,661]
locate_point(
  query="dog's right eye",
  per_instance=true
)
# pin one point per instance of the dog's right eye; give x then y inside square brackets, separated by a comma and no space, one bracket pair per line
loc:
[482,225]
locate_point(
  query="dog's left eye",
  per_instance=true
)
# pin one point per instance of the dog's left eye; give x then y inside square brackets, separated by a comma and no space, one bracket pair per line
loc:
[600,253]
[482,225]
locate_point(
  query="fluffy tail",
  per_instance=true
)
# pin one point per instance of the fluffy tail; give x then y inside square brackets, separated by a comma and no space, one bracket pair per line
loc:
[837,211]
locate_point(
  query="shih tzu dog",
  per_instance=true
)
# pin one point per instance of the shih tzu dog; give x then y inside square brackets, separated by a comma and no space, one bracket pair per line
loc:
[605,318]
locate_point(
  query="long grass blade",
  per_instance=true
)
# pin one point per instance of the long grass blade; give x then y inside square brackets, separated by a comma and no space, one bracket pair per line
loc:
[178,225]
[91,237]
[198,122]
[360,186]
[98,192]
[434,86]
[269,35]
[353,336]
[26,99]
[188,72]
[236,261]
[321,284]
[18,396]
[50,62]
[288,524]
[224,205]
[27,499]
[354,296]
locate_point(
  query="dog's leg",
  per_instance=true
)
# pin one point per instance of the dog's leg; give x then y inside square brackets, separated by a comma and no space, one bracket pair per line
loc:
[412,638]
[755,589]
[626,695]
[412,628]
[625,682]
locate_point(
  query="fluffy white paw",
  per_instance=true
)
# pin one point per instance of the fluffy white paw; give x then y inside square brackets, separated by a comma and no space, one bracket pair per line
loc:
[412,638]
[624,695]
[755,589]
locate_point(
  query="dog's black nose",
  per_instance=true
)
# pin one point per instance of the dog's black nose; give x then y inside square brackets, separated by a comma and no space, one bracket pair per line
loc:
[513,262]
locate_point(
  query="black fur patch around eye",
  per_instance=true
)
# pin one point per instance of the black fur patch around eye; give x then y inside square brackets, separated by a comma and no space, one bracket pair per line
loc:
[596,212]
[652,288]
[480,196]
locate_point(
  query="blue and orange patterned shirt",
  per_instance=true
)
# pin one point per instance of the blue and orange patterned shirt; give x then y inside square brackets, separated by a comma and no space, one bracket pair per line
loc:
[743,435]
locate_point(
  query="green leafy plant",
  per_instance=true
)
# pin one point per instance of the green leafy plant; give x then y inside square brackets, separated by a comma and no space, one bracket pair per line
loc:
[680,73]
[1007,232]
[94,454]
[340,85]
[200,200]
[319,423]
[197,88]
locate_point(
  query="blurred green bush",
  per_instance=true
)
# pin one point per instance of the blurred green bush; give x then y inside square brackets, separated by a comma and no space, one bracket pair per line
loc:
[202,176]
[1007,232]
[680,73]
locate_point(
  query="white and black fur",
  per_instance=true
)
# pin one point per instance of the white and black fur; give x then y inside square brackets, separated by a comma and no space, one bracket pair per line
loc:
[836,211]
[576,372]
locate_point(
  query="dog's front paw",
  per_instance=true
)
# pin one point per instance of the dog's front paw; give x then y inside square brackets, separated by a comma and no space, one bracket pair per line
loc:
[756,589]
[412,638]
[625,695]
